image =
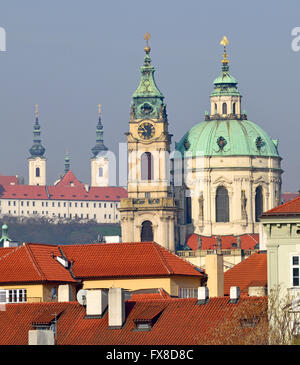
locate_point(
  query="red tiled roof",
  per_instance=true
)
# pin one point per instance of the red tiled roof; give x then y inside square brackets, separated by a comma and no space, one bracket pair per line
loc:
[248,242]
[8,180]
[68,188]
[126,259]
[250,272]
[181,322]
[24,192]
[159,294]
[32,263]
[291,207]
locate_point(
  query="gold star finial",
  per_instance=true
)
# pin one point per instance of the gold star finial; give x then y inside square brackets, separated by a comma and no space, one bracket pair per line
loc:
[99,109]
[147,37]
[224,43]
[36,110]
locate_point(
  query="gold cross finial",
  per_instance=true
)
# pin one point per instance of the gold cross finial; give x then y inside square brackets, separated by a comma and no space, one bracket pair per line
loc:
[36,110]
[224,43]
[147,37]
[99,109]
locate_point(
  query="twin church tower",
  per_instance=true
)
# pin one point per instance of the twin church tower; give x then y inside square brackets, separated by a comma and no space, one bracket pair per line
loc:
[230,169]
[37,160]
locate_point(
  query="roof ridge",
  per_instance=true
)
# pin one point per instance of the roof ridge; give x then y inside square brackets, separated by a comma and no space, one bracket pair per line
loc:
[158,249]
[10,252]
[34,261]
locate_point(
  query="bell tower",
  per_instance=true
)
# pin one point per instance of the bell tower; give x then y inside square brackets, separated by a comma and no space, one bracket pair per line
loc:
[37,161]
[149,213]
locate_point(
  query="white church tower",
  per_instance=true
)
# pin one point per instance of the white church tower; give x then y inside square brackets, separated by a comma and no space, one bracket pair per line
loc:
[100,160]
[37,161]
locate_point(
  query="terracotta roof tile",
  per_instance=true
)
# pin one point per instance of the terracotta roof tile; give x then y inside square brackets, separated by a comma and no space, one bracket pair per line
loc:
[250,272]
[181,322]
[69,188]
[32,263]
[248,242]
[291,207]
[126,259]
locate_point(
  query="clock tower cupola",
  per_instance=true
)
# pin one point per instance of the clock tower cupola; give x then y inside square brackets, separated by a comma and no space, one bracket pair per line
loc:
[149,213]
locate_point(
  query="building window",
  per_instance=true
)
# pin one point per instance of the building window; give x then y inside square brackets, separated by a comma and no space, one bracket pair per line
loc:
[224,108]
[14,203]
[46,204]
[188,210]
[216,109]
[53,204]
[222,205]
[295,270]
[87,205]
[9,203]
[81,205]
[94,216]
[22,203]
[146,166]
[100,172]
[99,205]
[27,204]
[104,205]
[104,216]
[70,204]
[13,296]
[116,216]
[187,292]
[87,216]
[258,203]
[37,172]
[33,204]
[94,205]
[75,205]
[233,108]
[58,204]
[146,232]
[111,205]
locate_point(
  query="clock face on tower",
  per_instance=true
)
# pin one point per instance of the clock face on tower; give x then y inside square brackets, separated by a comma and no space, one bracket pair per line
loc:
[146,130]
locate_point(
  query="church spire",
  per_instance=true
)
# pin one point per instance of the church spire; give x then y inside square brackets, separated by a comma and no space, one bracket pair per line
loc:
[37,150]
[225,99]
[147,99]
[99,136]
[225,84]
[67,162]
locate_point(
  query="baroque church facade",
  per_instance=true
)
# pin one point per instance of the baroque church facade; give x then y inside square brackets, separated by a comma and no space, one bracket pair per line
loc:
[224,172]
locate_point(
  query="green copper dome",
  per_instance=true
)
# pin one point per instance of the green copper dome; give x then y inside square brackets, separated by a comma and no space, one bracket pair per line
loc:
[228,138]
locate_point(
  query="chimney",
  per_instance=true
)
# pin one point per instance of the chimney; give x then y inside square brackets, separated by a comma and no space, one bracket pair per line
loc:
[257,291]
[203,295]
[64,293]
[238,242]
[116,308]
[215,273]
[234,294]
[96,303]
[219,243]
[41,337]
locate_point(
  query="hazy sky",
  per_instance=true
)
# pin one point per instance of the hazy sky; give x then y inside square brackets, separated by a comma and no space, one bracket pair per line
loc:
[68,56]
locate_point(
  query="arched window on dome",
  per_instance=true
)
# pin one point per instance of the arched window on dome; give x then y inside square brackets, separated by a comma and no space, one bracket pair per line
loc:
[222,205]
[224,108]
[146,166]
[37,172]
[100,172]
[233,108]
[258,203]
[216,109]
[147,232]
